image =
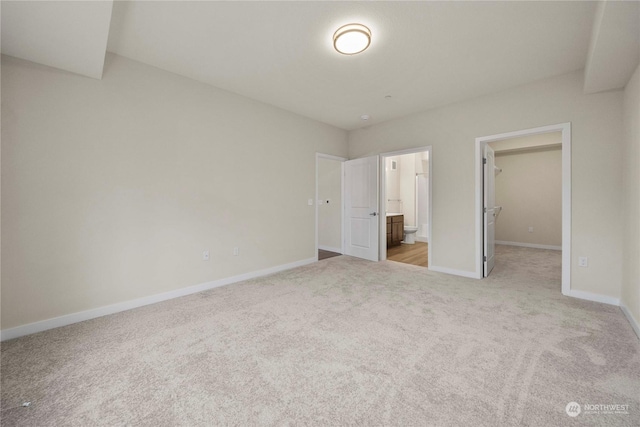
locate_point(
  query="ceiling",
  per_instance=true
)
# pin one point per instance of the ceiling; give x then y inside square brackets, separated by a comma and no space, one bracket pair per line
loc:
[422,55]
[71,36]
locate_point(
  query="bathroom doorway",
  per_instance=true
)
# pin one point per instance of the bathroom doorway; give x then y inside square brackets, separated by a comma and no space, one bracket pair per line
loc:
[405,187]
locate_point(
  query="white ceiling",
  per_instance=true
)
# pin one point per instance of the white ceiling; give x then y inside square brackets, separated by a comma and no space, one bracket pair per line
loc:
[71,36]
[423,54]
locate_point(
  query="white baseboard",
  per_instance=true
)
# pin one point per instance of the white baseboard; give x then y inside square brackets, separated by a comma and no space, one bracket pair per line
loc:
[330,249]
[470,274]
[634,322]
[529,245]
[423,239]
[592,297]
[69,319]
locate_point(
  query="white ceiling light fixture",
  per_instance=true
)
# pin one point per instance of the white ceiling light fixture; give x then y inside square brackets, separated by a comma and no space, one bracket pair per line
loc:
[351,39]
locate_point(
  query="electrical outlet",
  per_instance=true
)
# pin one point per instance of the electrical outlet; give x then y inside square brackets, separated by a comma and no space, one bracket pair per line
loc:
[236,251]
[583,261]
[530,229]
[205,255]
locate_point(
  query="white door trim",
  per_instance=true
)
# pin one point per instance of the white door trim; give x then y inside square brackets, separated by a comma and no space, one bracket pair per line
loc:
[317,196]
[565,128]
[383,198]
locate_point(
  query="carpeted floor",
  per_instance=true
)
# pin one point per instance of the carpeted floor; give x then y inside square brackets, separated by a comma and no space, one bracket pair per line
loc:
[339,342]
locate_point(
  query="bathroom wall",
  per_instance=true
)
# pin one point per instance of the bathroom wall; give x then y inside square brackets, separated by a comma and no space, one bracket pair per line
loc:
[422,182]
[422,162]
[407,188]
[392,185]
[400,185]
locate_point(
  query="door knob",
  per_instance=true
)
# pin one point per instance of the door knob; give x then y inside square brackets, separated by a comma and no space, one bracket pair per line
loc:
[373,213]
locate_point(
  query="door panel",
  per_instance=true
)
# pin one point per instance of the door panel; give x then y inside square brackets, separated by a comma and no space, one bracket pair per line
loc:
[489,209]
[361,208]
[360,234]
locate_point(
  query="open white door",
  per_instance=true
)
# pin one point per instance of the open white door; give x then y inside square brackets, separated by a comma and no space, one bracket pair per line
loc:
[489,182]
[361,208]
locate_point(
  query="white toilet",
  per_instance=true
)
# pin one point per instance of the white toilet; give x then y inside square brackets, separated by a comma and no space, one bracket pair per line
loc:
[409,235]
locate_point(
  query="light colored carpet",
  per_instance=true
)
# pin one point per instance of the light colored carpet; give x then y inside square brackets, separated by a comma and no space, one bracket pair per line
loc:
[339,342]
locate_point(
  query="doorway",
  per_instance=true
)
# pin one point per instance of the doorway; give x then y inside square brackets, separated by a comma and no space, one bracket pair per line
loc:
[328,203]
[405,206]
[515,228]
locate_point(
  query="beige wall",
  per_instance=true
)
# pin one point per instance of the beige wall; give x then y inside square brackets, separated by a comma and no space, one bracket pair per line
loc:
[330,215]
[1,173]
[529,189]
[631,197]
[112,188]
[451,130]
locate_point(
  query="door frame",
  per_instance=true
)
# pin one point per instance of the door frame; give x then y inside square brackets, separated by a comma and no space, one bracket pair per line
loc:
[317,196]
[488,186]
[383,198]
[565,129]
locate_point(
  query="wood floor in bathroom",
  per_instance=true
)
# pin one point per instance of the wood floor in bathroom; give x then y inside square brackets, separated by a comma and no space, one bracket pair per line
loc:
[416,254]
[322,254]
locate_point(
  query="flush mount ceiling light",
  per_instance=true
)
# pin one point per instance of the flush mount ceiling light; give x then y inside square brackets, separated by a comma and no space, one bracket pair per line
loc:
[351,39]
